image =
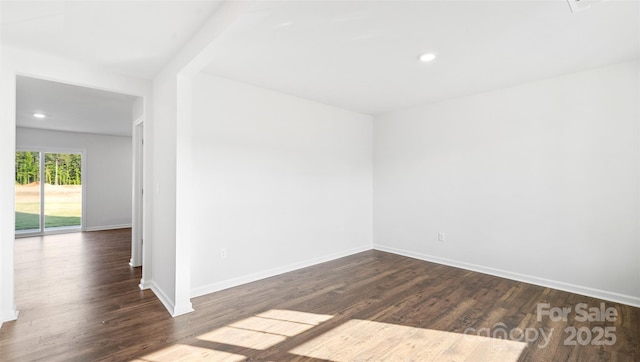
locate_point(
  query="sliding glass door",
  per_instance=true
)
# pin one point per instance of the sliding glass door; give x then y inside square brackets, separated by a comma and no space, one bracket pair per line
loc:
[48,191]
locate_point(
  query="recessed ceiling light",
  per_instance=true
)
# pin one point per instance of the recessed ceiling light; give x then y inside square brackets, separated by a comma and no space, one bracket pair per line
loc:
[427,57]
[39,115]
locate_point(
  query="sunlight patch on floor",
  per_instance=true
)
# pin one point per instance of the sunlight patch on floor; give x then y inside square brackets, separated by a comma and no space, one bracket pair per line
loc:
[183,352]
[364,340]
[295,316]
[355,340]
[266,329]
[243,338]
[281,322]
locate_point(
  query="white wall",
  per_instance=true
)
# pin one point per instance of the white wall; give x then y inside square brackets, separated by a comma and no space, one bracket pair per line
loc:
[279,181]
[537,182]
[170,257]
[164,199]
[108,172]
[8,309]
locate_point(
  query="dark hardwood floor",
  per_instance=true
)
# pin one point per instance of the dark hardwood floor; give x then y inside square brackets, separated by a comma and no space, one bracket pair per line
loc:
[79,301]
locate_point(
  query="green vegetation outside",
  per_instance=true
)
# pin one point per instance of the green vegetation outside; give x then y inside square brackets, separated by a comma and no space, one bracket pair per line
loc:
[25,221]
[59,168]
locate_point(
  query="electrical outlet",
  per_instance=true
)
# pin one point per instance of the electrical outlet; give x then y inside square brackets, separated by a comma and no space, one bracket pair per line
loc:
[223,253]
[441,236]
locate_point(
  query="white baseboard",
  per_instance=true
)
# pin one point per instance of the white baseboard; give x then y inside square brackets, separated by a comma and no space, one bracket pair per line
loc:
[144,284]
[567,287]
[181,309]
[107,227]
[132,264]
[168,304]
[8,315]
[234,282]
[161,296]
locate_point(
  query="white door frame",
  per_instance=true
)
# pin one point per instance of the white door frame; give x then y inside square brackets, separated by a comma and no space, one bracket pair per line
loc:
[137,223]
[43,66]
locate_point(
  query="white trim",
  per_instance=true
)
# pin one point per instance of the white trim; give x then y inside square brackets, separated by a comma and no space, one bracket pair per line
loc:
[9,315]
[144,284]
[568,287]
[234,282]
[182,308]
[137,196]
[132,263]
[108,227]
[638,240]
[166,301]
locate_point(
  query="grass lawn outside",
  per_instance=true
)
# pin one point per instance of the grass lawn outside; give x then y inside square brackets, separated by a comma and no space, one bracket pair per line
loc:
[26,221]
[63,206]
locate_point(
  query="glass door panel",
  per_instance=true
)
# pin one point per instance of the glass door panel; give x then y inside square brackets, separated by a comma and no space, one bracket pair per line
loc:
[62,190]
[28,198]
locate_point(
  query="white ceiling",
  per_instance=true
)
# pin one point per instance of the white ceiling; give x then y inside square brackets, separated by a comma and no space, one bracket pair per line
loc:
[134,38]
[72,108]
[362,55]
[357,55]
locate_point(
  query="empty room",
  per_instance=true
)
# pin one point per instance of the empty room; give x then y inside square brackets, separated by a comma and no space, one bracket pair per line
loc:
[321,180]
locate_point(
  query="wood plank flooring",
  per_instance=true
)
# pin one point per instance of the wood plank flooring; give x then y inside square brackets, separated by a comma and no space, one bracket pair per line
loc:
[79,301]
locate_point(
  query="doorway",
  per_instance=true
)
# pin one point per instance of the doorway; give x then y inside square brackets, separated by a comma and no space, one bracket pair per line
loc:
[55,117]
[48,192]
